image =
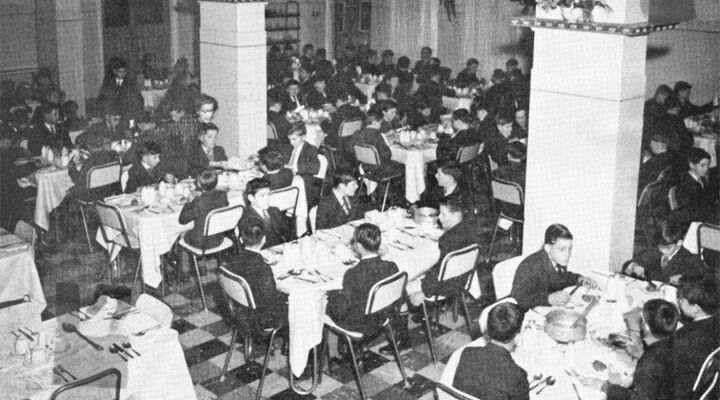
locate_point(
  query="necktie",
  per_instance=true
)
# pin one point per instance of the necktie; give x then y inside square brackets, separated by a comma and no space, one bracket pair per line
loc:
[52,129]
[210,154]
[265,215]
[293,157]
[664,261]
[561,269]
[346,205]
[118,82]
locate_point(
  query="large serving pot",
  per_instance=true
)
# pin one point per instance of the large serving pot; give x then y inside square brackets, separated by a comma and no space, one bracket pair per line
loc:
[425,215]
[565,326]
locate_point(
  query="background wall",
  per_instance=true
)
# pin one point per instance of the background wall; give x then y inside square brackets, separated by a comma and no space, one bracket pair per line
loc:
[18,44]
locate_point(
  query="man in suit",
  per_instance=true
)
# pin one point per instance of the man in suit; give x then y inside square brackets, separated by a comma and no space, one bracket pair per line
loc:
[668,261]
[322,65]
[278,120]
[655,107]
[688,109]
[659,160]
[344,77]
[514,170]
[271,304]
[489,372]
[49,132]
[386,64]
[497,140]
[278,228]
[304,162]
[341,205]
[205,153]
[109,128]
[121,89]
[292,96]
[680,139]
[272,164]
[699,301]
[145,171]
[424,63]
[197,210]
[407,77]
[468,76]
[448,176]
[541,277]
[347,306]
[344,111]
[696,196]
[462,135]
[316,97]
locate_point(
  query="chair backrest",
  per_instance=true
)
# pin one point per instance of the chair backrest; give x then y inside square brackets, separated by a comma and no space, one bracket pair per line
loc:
[486,311]
[507,192]
[111,217]
[124,176]
[87,381]
[313,218]
[236,289]
[467,153]
[366,154]
[348,128]
[322,171]
[223,219]
[493,165]
[708,380]
[26,232]
[271,131]
[647,192]
[386,292]
[458,262]
[708,237]
[155,308]
[74,135]
[503,275]
[285,199]
[672,199]
[103,175]
[443,392]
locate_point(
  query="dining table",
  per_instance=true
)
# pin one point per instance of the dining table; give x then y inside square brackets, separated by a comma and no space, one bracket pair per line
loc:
[577,368]
[153,96]
[154,225]
[37,357]
[53,183]
[308,268]
[414,154]
[19,277]
[456,103]
[367,88]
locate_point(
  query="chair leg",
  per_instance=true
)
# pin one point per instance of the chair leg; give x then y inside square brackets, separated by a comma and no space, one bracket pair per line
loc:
[455,309]
[467,313]
[137,274]
[85,226]
[491,243]
[247,347]
[397,354]
[200,285]
[229,354]
[265,364]
[162,274]
[325,353]
[429,333]
[357,370]
[387,189]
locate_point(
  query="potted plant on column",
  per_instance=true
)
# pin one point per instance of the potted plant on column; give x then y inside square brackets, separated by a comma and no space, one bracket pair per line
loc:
[573,10]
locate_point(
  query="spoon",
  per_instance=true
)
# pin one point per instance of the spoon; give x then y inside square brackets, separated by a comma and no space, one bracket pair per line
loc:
[549,382]
[115,350]
[70,328]
[144,331]
[536,377]
[539,382]
[127,345]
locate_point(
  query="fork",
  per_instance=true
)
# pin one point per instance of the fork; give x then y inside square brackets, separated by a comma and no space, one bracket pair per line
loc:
[58,373]
[144,331]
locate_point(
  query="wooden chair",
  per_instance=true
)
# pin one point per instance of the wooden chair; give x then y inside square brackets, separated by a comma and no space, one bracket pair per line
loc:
[368,155]
[346,130]
[443,391]
[708,237]
[503,275]
[98,176]
[115,233]
[271,131]
[285,199]
[506,193]
[707,384]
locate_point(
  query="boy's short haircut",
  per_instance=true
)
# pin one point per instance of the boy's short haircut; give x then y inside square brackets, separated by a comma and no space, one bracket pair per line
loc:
[368,236]
[453,203]
[503,118]
[297,129]
[504,322]
[343,175]
[517,150]
[696,154]
[512,63]
[273,160]
[254,186]
[461,115]
[669,233]
[451,168]
[252,233]
[702,291]
[661,317]
[208,126]
[472,61]
[207,179]
[48,107]
[403,62]
[205,99]
[70,107]
[148,148]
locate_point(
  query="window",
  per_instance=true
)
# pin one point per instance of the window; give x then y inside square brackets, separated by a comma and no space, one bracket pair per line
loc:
[365,13]
[340,17]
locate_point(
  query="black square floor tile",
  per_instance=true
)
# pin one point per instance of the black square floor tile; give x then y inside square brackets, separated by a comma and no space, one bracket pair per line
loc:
[218,328]
[220,388]
[248,372]
[289,394]
[205,351]
[372,360]
[182,326]
[393,393]
[415,360]
[341,372]
[419,386]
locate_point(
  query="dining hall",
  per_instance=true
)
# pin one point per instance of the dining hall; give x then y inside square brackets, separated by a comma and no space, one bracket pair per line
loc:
[446,199]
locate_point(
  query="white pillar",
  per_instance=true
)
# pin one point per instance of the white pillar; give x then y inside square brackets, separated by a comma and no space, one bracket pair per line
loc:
[586,106]
[330,29]
[233,70]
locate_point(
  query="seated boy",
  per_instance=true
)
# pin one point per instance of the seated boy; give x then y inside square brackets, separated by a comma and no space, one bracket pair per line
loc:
[304,162]
[347,307]
[514,170]
[462,135]
[340,206]
[668,260]
[205,153]
[198,209]
[250,264]
[276,225]
[100,154]
[272,165]
[145,171]
[490,372]
[448,185]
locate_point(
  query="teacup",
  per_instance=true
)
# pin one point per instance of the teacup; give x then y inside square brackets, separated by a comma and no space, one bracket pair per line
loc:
[22,346]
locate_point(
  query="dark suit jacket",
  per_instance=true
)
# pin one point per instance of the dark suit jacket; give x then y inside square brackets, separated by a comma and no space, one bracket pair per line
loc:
[197,210]
[434,195]
[316,100]
[653,111]
[695,202]
[271,304]
[513,172]
[383,69]
[41,136]
[683,263]
[345,112]
[459,236]
[651,169]
[406,77]
[689,109]
[536,278]
[278,229]
[282,126]
[652,379]
[79,177]
[198,160]
[330,212]
[126,96]
[496,146]
[138,176]
[347,307]
[288,104]
[466,78]
[490,373]
[282,178]
[325,68]
[449,146]
[101,129]
[372,137]
[691,345]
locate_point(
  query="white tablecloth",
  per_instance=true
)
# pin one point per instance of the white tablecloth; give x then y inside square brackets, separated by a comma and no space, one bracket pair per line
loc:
[18,273]
[156,233]
[153,97]
[709,143]
[537,353]
[52,186]
[159,373]
[315,135]
[307,301]
[456,103]
[414,160]
[367,88]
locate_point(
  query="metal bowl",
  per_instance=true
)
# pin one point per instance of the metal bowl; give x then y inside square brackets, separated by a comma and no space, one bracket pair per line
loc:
[425,215]
[561,325]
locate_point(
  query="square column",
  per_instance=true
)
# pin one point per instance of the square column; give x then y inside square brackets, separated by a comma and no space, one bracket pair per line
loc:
[233,70]
[586,107]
